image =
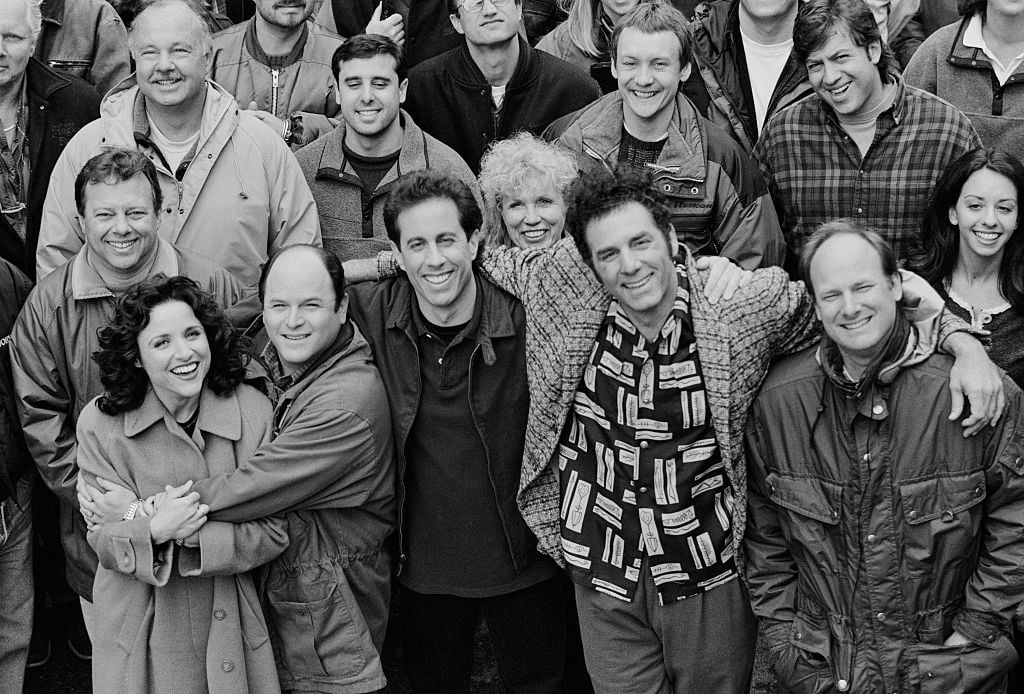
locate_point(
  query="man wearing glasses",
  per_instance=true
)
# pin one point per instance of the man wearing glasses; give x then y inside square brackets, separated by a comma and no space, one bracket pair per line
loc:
[494,84]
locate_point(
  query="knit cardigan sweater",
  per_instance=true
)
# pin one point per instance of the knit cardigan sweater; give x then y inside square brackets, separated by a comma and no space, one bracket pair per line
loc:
[565,306]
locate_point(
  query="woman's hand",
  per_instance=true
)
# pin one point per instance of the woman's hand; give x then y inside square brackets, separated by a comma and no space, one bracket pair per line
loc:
[178,516]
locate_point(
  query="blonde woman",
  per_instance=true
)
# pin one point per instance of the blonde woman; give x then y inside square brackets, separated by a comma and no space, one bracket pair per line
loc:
[523,180]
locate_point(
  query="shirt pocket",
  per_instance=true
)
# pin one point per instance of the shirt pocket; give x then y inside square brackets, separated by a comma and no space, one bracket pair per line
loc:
[942,522]
[811,515]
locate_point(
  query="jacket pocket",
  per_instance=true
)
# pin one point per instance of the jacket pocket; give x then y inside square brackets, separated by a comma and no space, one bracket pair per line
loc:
[78,68]
[691,212]
[805,667]
[967,669]
[321,630]
[810,520]
[942,522]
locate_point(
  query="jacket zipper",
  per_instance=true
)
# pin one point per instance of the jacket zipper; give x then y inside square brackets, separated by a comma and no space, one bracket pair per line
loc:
[275,78]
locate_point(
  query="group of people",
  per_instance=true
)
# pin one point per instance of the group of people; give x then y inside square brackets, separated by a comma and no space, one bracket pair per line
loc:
[641,338]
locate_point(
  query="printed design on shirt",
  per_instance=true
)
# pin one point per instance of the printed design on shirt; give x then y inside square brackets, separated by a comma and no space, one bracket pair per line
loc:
[640,470]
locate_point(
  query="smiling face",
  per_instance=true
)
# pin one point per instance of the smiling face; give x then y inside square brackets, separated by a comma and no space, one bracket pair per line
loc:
[120,223]
[634,261]
[175,354]
[845,75]
[854,299]
[286,14]
[16,43]
[648,70]
[299,309]
[985,214]
[492,25]
[534,217]
[171,57]
[370,95]
[438,258]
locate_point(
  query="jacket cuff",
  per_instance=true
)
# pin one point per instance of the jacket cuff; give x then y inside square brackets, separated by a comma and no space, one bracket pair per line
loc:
[216,549]
[981,628]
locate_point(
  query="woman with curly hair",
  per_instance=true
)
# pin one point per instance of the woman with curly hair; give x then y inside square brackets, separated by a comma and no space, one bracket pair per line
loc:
[523,181]
[176,608]
[973,254]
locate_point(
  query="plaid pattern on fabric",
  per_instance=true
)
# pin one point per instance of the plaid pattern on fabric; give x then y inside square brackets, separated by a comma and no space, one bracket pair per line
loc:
[639,465]
[815,172]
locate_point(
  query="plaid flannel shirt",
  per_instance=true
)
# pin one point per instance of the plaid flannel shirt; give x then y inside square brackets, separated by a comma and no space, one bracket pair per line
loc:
[815,171]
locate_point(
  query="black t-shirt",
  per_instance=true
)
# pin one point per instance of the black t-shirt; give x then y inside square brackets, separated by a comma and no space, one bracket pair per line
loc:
[637,152]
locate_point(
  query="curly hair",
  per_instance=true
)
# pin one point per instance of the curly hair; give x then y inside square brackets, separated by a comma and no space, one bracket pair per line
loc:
[124,381]
[940,239]
[601,193]
[520,163]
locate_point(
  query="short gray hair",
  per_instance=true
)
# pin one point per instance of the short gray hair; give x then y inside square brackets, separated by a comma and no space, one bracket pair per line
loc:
[202,29]
[34,9]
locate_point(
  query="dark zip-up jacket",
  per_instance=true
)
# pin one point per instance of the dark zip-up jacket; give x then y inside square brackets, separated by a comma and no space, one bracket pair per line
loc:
[718,56]
[498,391]
[14,457]
[450,98]
[58,105]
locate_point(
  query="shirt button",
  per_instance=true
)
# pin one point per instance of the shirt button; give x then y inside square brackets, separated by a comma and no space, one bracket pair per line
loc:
[643,490]
[867,457]
[227,666]
[644,444]
[860,210]
[878,409]
[219,614]
[842,685]
[440,360]
[912,515]
[880,616]
[871,538]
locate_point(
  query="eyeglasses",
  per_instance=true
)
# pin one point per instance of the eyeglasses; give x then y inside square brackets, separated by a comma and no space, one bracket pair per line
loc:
[476,6]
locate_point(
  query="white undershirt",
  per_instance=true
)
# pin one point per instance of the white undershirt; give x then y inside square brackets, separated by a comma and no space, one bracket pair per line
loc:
[764,65]
[498,96]
[174,152]
[974,38]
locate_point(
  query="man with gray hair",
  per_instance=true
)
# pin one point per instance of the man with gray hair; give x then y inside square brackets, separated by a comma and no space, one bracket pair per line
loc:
[39,112]
[232,190]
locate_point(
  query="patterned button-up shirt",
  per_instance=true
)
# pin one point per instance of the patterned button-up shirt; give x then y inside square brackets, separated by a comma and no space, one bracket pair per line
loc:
[815,171]
[640,469]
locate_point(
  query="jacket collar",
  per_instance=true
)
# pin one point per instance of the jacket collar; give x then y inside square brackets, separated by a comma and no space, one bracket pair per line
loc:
[41,81]
[466,72]
[496,319]
[87,284]
[412,157]
[53,11]
[721,25]
[962,55]
[684,155]
[218,416]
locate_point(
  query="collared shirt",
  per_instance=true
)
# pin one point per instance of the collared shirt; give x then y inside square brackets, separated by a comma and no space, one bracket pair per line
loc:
[15,166]
[640,468]
[815,171]
[973,38]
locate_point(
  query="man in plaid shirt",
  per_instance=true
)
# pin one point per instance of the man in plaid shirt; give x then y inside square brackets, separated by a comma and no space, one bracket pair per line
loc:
[865,145]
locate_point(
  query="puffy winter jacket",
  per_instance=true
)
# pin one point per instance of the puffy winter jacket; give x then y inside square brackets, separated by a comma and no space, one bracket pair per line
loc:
[719,204]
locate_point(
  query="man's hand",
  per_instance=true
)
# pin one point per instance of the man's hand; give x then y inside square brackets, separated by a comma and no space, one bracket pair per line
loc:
[956,639]
[267,117]
[106,503]
[724,277]
[392,26]
[977,379]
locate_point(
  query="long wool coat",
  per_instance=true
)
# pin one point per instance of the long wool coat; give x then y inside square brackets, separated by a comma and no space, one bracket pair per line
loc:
[175,618]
